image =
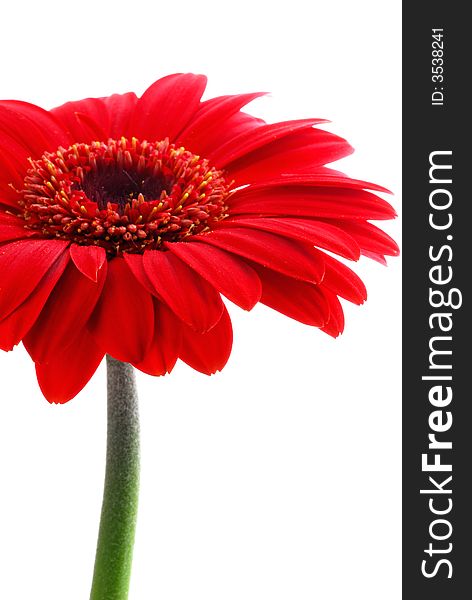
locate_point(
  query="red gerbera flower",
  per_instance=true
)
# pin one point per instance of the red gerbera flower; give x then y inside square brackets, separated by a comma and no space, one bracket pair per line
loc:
[123,219]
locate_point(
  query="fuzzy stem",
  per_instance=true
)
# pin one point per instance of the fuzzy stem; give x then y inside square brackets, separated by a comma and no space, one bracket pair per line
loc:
[120,496]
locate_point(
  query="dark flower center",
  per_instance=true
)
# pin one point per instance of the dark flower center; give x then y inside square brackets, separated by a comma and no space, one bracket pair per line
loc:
[126,195]
[120,186]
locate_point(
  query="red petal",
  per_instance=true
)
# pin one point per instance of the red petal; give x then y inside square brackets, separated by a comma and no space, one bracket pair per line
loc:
[13,152]
[11,173]
[19,322]
[369,237]
[210,118]
[298,300]
[228,274]
[12,228]
[288,257]
[166,107]
[335,324]
[98,118]
[165,346]
[65,313]
[317,233]
[300,152]
[88,259]
[123,320]
[7,218]
[325,202]
[93,130]
[208,352]
[374,256]
[135,264]
[77,117]
[23,264]
[320,179]
[69,371]
[232,128]
[189,296]
[120,109]
[13,158]
[251,140]
[33,127]
[343,281]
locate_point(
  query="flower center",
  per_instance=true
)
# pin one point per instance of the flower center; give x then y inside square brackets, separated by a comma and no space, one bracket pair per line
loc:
[125,195]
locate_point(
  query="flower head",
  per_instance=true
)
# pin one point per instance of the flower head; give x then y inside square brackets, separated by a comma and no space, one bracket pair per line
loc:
[124,219]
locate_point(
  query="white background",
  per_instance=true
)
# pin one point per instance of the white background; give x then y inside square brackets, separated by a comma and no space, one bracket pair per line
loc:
[279,478]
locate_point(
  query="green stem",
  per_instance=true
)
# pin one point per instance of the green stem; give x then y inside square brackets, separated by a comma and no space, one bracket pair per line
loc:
[120,496]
